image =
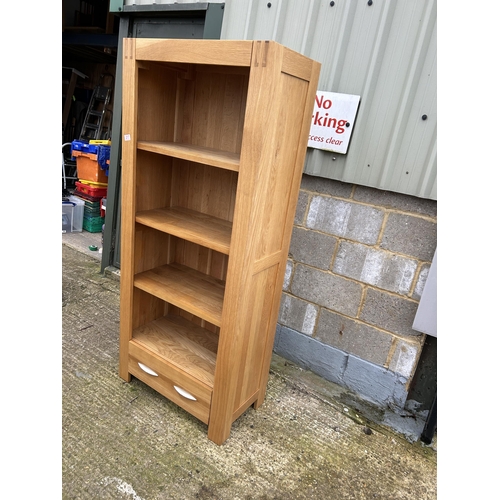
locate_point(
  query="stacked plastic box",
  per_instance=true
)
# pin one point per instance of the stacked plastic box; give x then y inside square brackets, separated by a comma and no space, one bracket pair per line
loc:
[72,214]
[92,166]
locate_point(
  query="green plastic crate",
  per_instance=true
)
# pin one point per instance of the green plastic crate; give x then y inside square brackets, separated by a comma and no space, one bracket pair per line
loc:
[91,212]
[93,224]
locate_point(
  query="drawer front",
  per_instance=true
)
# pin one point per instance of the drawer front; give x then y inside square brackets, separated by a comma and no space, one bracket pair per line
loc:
[176,385]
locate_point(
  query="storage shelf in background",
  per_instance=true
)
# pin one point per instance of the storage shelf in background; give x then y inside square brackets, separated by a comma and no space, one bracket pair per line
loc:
[189,152]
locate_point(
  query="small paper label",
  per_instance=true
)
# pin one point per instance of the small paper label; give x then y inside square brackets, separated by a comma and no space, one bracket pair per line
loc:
[126,137]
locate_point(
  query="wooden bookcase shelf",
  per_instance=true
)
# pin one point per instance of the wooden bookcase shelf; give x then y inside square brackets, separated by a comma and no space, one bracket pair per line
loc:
[198,154]
[189,348]
[186,288]
[191,225]
[214,139]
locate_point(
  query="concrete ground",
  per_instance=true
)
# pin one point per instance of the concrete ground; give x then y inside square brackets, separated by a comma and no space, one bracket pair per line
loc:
[125,441]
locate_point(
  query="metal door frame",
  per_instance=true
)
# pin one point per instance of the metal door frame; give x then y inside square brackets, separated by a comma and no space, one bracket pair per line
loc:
[211,14]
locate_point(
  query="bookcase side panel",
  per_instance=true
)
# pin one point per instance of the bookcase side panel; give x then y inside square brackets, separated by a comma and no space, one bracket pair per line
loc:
[300,88]
[278,169]
[129,121]
[234,335]
[271,162]
[302,128]
[256,307]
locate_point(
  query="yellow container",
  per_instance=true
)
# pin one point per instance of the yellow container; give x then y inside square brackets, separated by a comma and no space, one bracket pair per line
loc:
[94,184]
[101,142]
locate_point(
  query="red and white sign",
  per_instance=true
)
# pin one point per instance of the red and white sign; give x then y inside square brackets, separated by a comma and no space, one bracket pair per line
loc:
[332,121]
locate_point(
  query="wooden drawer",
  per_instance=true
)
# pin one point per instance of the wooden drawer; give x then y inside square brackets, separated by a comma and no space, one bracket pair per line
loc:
[178,386]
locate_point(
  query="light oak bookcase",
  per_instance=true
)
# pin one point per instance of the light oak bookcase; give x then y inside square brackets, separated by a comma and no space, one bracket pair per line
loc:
[214,139]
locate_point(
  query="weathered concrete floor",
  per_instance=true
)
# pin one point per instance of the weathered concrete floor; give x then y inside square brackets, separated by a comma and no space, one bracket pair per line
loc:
[124,441]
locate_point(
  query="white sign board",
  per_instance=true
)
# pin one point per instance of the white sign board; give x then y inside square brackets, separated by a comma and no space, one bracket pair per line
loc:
[332,121]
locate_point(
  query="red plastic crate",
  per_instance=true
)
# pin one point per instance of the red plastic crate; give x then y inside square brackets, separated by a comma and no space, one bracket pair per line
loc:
[96,192]
[87,197]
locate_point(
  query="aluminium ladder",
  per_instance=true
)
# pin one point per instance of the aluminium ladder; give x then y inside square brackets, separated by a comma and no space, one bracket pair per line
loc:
[92,128]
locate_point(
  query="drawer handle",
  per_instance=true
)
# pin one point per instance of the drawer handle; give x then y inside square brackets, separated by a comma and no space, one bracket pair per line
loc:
[184,393]
[147,370]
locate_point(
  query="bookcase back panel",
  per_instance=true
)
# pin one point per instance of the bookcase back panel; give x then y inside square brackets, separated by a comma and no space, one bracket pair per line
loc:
[183,344]
[199,187]
[146,308]
[206,189]
[200,258]
[155,248]
[152,248]
[153,181]
[203,106]
[175,311]
[157,96]
[213,110]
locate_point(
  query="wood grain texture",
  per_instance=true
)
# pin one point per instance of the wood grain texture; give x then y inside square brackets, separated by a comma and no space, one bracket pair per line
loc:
[191,225]
[213,176]
[272,147]
[186,288]
[205,189]
[167,377]
[128,201]
[198,154]
[181,343]
[220,52]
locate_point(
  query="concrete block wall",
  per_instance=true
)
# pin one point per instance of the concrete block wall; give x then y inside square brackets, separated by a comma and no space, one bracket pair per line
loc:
[358,261]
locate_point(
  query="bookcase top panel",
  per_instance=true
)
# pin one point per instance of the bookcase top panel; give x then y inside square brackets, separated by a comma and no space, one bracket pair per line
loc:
[219,52]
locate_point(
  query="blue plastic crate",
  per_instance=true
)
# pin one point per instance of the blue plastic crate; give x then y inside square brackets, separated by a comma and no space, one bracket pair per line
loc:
[85,147]
[101,151]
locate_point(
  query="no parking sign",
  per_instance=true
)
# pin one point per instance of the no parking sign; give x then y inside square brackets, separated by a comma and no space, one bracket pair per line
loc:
[332,121]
